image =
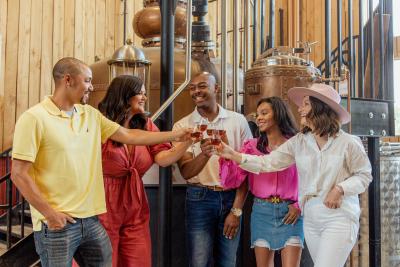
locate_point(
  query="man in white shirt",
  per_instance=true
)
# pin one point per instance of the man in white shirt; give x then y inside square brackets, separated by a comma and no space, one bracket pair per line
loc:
[212,214]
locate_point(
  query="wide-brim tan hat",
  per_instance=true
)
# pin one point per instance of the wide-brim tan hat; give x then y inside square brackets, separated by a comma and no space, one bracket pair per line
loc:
[323,92]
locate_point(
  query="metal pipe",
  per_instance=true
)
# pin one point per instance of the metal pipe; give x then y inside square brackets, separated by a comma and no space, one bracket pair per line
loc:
[8,161]
[23,218]
[124,42]
[339,34]
[188,64]
[223,55]
[352,84]
[348,97]
[327,38]
[371,49]
[271,31]
[9,211]
[262,17]
[381,94]
[281,31]
[9,200]
[167,88]
[389,85]
[246,35]
[374,205]
[236,51]
[255,30]
[147,85]
[361,60]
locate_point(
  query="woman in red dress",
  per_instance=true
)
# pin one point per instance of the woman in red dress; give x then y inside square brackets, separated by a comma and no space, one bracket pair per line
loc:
[127,217]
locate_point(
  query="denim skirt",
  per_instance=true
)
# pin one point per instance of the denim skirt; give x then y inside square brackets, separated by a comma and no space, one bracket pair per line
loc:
[267,225]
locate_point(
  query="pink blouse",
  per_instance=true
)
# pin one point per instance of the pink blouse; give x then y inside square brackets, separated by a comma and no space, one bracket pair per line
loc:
[264,185]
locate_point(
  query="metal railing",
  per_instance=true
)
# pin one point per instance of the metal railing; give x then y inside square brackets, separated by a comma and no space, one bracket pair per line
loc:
[335,56]
[12,205]
[188,63]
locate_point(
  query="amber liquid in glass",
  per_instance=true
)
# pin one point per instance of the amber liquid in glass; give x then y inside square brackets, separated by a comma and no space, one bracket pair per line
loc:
[203,127]
[195,135]
[215,141]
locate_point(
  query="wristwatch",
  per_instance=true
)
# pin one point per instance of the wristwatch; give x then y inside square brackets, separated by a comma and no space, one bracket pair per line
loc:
[237,212]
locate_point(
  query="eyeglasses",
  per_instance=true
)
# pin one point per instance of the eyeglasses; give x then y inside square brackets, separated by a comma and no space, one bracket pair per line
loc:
[201,86]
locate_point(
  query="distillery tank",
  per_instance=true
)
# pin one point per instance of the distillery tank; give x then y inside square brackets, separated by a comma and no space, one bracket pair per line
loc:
[147,25]
[202,50]
[276,71]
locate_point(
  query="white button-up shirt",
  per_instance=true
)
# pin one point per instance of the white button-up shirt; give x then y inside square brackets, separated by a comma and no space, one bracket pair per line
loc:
[341,161]
[237,131]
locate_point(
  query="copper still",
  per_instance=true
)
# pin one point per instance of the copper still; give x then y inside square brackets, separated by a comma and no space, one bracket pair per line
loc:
[150,19]
[202,46]
[276,71]
[147,25]
[147,22]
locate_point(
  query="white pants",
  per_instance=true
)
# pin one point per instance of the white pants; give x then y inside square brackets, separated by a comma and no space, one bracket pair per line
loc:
[330,234]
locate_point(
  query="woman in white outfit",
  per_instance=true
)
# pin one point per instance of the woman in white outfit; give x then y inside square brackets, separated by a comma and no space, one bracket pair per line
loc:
[333,169]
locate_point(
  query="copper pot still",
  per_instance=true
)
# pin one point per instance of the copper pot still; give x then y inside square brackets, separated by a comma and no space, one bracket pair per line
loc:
[183,104]
[276,71]
[147,22]
[149,27]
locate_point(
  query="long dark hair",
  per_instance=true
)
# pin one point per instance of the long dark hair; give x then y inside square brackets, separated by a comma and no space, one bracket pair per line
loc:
[324,119]
[283,117]
[115,104]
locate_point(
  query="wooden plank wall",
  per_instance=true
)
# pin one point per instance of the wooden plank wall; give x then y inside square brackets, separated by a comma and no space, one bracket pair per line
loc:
[34,34]
[3,18]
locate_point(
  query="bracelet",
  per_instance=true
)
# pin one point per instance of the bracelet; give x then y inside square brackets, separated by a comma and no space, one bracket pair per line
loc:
[243,159]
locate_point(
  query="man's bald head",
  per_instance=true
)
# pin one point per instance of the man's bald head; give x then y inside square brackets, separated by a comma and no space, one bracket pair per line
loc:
[206,76]
[68,65]
[201,66]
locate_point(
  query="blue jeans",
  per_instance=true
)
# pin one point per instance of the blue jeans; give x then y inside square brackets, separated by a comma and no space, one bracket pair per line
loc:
[206,211]
[86,241]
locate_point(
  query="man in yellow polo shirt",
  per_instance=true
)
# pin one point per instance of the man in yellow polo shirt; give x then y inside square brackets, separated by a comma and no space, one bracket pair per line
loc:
[57,167]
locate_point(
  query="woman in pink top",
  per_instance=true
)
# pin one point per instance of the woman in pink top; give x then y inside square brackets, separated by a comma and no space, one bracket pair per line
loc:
[128,214]
[276,222]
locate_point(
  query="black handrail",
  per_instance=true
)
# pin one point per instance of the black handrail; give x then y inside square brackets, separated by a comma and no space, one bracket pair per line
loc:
[8,206]
[334,59]
[333,53]
[5,152]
